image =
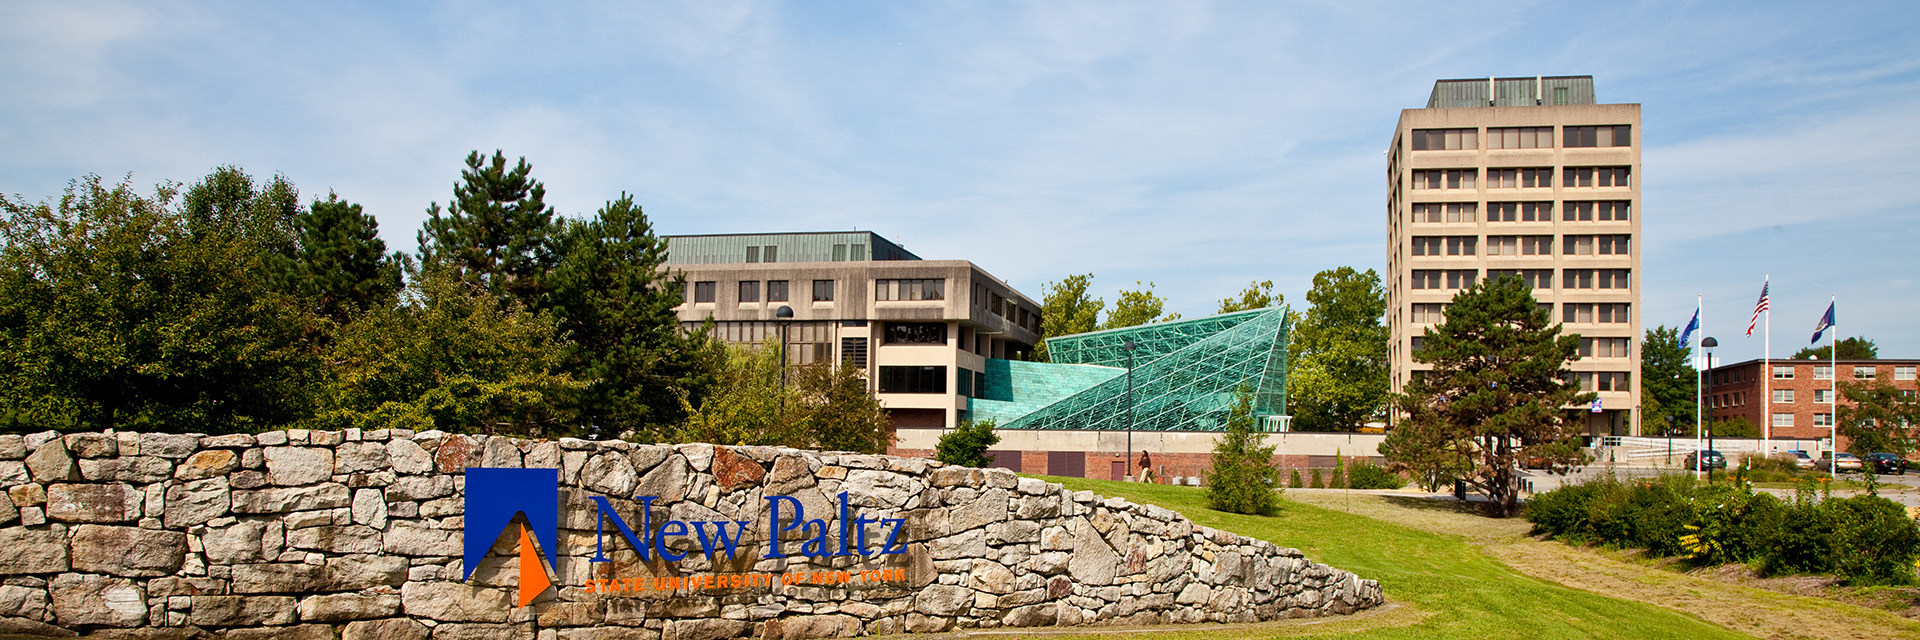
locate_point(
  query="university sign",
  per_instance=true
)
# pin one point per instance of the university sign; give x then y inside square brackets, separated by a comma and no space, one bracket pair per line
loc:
[495,496]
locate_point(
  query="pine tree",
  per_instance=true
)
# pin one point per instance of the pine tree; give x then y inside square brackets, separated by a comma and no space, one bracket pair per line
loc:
[340,262]
[497,230]
[1318,482]
[1339,471]
[1243,478]
[967,444]
[1295,480]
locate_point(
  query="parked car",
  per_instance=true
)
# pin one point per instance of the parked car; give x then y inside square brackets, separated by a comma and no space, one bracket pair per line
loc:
[1887,463]
[1837,462]
[1713,461]
[1799,458]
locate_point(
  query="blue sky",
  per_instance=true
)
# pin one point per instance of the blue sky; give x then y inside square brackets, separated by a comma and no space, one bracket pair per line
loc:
[1199,146]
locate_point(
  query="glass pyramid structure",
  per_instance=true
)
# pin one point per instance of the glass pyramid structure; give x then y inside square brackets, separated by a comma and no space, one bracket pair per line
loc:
[1185,373]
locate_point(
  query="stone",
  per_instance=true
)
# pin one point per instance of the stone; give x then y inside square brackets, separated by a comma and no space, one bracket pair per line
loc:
[241,611]
[296,632]
[990,577]
[32,551]
[370,508]
[27,495]
[81,600]
[52,463]
[389,629]
[360,457]
[414,539]
[342,607]
[13,447]
[98,503]
[231,441]
[411,489]
[278,577]
[457,453]
[609,473]
[455,602]
[822,626]
[207,464]
[355,572]
[127,551]
[237,543]
[703,629]
[879,489]
[285,499]
[989,508]
[93,445]
[292,466]
[197,501]
[480,631]
[943,600]
[1038,615]
[1093,562]
[699,456]
[23,602]
[669,480]
[408,458]
[336,539]
[135,469]
[608,633]
[500,454]
[733,470]
[248,479]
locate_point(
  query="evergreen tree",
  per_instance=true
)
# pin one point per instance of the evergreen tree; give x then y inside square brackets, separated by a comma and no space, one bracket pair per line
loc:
[615,299]
[1243,479]
[1855,348]
[1339,472]
[967,444]
[496,231]
[1318,482]
[1337,356]
[1499,392]
[340,262]
[1294,481]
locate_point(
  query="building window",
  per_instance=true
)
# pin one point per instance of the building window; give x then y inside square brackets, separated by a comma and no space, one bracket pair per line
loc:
[1520,178]
[1429,313]
[1782,420]
[1605,211]
[1503,245]
[749,291]
[1823,396]
[1863,373]
[1461,278]
[1462,245]
[1519,212]
[770,254]
[1536,212]
[1445,139]
[1427,278]
[1445,178]
[1607,136]
[916,333]
[1427,213]
[823,291]
[913,379]
[1613,245]
[1520,137]
[1822,372]
[776,291]
[1417,344]
[1603,347]
[839,253]
[1591,313]
[853,351]
[858,252]
[918,289]
[1427,245]
[703,291]
[1594,279]
[1536,245]
[1462,211]
[1783,396]
[1903,372]
[1537,278]
[1604,381]
[753,254]
[1783,373]
[1594,177]
[1823,419]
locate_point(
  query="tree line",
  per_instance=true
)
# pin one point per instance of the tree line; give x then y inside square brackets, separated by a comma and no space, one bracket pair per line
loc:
[231,304]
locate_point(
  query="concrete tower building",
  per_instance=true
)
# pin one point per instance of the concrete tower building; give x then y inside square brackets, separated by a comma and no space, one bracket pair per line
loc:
[1531,177]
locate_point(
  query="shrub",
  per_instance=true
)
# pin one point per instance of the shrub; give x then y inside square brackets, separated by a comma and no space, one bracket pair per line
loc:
[1364,475]
[1317,482]
[1339,472]
[1874,542]
[967,444]
[1295,480]
[1244,479]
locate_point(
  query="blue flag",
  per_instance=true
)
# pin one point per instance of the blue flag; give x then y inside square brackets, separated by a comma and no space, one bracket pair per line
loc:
[1826,322]
[1694,325]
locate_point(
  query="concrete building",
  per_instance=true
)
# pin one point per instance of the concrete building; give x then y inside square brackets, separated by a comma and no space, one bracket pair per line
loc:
[923,329]
[1530,177]
[1802,406]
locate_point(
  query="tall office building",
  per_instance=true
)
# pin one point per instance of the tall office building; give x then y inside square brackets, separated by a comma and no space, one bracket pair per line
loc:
[1530,177]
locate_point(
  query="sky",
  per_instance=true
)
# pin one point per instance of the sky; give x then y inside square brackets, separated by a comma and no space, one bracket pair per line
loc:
[1197,146]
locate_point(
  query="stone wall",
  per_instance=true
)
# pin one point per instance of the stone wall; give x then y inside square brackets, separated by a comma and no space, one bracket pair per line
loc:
[298,534]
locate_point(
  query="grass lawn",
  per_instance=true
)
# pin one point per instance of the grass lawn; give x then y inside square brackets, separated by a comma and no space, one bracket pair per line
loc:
[1443,584]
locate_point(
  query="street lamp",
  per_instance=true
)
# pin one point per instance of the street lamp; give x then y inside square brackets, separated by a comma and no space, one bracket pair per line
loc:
[1708,343]
[784,314]
[1129,454]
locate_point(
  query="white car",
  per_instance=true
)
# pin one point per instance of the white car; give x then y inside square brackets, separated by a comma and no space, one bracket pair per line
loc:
[1800,459]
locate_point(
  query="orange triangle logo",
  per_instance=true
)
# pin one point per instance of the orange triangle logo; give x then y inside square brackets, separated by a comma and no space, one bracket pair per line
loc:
[533,574]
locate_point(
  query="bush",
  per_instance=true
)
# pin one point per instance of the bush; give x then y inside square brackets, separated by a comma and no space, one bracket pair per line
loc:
[1873,541]
[1318,483]
[1339,472]
[1243,478]
[1295,480]
[1363,475]
[966,445]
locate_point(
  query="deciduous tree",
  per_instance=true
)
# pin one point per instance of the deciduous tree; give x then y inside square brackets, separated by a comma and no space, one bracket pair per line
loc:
[1337,356]
[1880,419]
[1855,348]
[1138,307]
[1668,383]
[1258,295]
[1498,393]
[1066,309]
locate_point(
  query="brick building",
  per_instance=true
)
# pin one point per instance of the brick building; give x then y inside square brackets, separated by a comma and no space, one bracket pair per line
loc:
[1802,402]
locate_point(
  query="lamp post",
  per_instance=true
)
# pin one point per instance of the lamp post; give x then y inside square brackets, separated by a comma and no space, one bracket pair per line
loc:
[1708,343]
[1129,454]
[784,314]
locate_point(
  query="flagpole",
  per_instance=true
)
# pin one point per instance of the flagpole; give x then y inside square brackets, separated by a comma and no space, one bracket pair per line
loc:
[1833,393]
[1699,395]
[1766,421]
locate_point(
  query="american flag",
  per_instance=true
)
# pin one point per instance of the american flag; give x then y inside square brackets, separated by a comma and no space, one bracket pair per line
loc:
[1758,307]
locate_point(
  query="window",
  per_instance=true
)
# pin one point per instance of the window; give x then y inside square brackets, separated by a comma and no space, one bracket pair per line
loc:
[1576,245]
[1445,178]
[1427,245]
[1528,178]
[1429,313]
[1536,212]
[703,291]
[749,291]
[1823,419]
[853,351]
[1590,313]
[1560,95]
[1461,278]
[1442,139]
[1427,279]
[1536,245]
[913,379]
[1782,420]
[1520,138]
[1594,177]
[1863,373]
[769,254]
[858,252]
[776,291]
[823,291]
[1615,210]
[1462,245]
[1822,372]
[1452,278]
[1519,212]
[920,289]
[1783,396]
[753,254]
[1823,396]
[839,253]
[916,333]
[1605,210]
[1783,373]
[1603,347]
[1594,279]
[1536,278]
[1503,245]
[1608,136]
[1612,278]
[1427,213]
[1903,372]
[1604,381]
[1418,344]
[1462,211]
[1614,245]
